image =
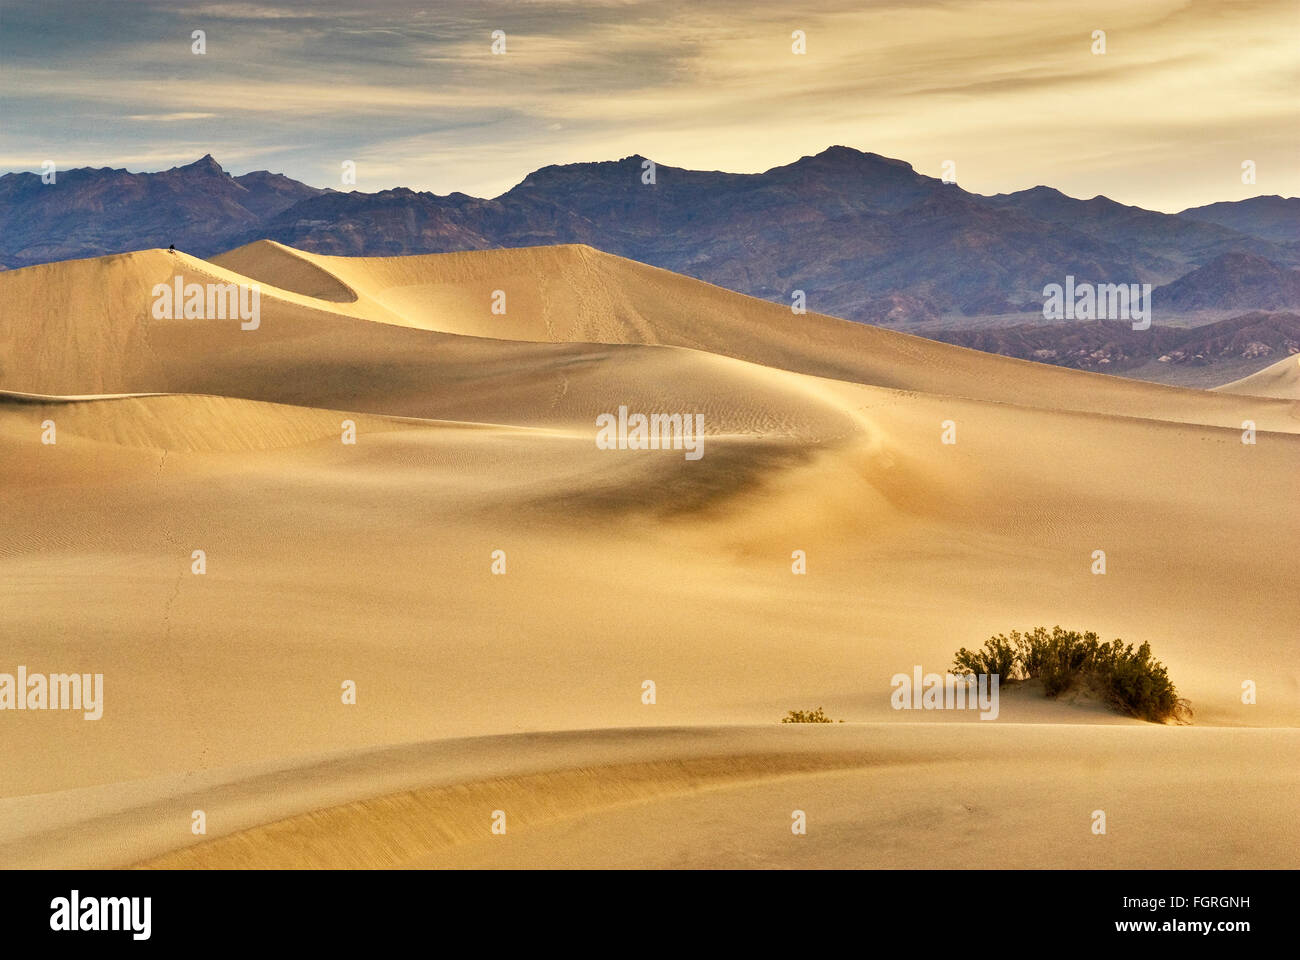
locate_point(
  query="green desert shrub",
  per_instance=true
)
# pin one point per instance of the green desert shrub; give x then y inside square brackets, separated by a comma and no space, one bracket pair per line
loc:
[806,716]
[1130,681]
[998,655]
[1140,686]
[1031,651]
[1059,659]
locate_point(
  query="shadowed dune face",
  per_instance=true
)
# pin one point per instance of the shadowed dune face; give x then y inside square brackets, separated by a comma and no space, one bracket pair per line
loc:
[475,432]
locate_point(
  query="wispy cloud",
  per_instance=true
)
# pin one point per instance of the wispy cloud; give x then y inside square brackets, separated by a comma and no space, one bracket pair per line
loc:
[1008,89]
[169,117]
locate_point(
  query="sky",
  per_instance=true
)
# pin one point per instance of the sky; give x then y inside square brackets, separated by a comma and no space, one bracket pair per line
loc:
[1010,92]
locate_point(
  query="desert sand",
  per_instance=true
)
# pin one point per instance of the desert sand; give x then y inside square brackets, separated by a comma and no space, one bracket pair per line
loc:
[475,692]
[1281,379]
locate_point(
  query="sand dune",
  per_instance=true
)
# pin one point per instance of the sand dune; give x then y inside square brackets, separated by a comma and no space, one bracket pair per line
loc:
[882,796]
[86,340]
[371,562]
[1281,379]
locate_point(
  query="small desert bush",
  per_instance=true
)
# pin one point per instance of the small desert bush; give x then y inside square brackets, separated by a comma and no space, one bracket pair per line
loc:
[806,716]
[1130,681]
[998,656]
[1059,659]
[1140,686]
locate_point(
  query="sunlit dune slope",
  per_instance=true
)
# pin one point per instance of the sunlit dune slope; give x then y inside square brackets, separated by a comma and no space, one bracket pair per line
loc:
[88,325]
[1281,379]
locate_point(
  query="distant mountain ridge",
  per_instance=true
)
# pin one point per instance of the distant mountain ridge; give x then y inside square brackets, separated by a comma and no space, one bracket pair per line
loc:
[1270,218]
[1233,281]
[865,237]
[1112,346]
[90,212]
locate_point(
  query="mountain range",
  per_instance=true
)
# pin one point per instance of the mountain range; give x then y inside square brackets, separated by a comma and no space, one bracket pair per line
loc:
[864,236]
